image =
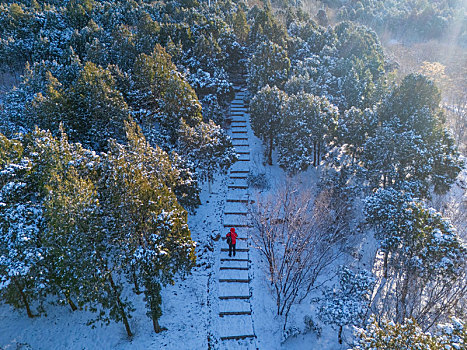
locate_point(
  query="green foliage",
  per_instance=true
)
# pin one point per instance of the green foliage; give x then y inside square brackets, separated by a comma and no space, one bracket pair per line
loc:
[307,129]
[266,115]
[91,108]
[163,93]
[411,147]
[387,334]
[81,226]
[423,253]
[207,147]
[268,66]
[265,27]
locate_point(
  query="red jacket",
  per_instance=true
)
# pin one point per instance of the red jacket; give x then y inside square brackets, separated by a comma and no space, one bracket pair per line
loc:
[232,235]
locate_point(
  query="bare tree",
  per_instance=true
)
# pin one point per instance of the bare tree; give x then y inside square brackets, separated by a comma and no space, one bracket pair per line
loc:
[456,112]
[298,236]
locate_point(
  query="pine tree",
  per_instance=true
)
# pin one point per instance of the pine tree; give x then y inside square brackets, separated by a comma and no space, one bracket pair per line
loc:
[412,145]
[266,116]
[386,334]
[308,127]
[422,253]
[162,94]
[268,66]
[347,305]
[146,222]
[389,335]
[22,270]
[240,26]
[207,147]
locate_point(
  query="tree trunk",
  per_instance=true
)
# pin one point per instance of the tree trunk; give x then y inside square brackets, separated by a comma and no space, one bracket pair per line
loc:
[401,309]
[385,264]
[135,281]
[318,157]
[270,150]
[24,297]
[156,325]
[314,153]
[339,335]
[71,303]
[120,307]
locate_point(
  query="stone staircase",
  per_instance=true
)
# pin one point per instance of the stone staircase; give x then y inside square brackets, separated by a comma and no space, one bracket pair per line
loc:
[235,323]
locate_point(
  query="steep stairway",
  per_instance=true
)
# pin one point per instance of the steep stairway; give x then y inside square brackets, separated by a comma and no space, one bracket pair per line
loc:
[235,322]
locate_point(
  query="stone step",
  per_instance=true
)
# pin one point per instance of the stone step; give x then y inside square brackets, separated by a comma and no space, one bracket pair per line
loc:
[236,263]
[234,290]
[237,193]
[233,213]
[237,200]
[239,132]
[239,138]
[234,275]
[234,305]
[238,337]
[234,259]
[240,143]
[238,187]
[236,327]
[230,313]
[235,208]
[234,268]
[242,152]
[243,255]
[239,171]
[238,182]
[238,250]
[240,167]
[247,343]
[234,280]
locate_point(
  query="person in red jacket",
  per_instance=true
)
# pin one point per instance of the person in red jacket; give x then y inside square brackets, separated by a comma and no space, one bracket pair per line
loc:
[233,236]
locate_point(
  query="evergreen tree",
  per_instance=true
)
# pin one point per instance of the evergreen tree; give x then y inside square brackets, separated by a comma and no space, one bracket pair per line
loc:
[412,145]
[387,334]
[144,218]
[162,94]
[424,258]
[240,26]
[308,127]
[266,116]
[268,66]
[23,274]
[354,127]
[347,305]
[207,147]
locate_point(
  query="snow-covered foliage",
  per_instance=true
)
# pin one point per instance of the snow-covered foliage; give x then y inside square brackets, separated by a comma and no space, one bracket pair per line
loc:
[306,131]
[78,226]
[268,66]
[424,258]
[386,334]
[266,116]
[207,147]
[347,304]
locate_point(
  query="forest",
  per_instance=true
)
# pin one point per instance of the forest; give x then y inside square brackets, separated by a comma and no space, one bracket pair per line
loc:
[115,121]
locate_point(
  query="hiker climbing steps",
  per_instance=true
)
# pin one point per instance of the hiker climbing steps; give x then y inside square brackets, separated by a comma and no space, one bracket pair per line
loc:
[235,322]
